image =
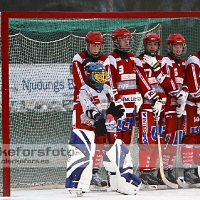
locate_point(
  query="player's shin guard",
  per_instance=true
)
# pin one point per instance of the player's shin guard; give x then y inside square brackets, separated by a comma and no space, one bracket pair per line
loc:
[120,166]
[79,164]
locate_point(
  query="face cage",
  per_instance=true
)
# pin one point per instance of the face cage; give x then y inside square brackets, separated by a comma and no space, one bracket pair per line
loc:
[98,86]
[94,55]
[153,54]
[100,77]
[116,44]
[174,55]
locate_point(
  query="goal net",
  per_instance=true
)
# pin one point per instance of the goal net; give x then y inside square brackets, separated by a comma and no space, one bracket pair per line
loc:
[40,54]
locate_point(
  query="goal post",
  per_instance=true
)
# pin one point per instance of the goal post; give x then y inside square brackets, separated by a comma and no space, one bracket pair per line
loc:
[37,83]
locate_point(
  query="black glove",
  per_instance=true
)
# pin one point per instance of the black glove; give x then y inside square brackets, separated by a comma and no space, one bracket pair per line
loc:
[115,111]
[100,127]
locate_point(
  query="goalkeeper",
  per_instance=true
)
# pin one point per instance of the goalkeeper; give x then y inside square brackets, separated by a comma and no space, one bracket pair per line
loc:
[93,53]
[97,102]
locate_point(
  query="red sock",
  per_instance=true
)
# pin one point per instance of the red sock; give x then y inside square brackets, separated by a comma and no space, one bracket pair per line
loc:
[144,160]
[187,155]
[166,160]
[97,159]
[171,161]
[196,152]
[153,160]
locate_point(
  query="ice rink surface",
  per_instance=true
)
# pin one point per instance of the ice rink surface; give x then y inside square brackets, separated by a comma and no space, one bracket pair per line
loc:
[63,194]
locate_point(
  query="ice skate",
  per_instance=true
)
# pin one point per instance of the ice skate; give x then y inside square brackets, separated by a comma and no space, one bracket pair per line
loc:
[97,183]
[196,173]
[150,181]
[168,175]
[190,179]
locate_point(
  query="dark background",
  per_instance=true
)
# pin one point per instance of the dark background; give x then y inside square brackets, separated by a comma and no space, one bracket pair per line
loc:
[99,5]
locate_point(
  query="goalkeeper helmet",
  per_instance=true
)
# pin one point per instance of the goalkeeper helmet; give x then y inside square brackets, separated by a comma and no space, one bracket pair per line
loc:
[96,74]
[151,37]
[94,37]
[175,39]
[120,33]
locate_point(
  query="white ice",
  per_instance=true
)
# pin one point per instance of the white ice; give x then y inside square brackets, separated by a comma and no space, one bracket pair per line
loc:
[63,194]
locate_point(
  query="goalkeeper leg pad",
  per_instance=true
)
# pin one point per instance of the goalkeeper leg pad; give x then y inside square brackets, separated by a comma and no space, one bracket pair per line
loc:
[120,166]
[79,161]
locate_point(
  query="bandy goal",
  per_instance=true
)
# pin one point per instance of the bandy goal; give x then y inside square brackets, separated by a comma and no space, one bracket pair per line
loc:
[37,84]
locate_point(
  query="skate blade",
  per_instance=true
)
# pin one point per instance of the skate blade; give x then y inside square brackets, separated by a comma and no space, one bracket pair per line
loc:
[184,184]
[196,185]
[154,187]
[148,187]
[163,187]
[78,192]
[98,188]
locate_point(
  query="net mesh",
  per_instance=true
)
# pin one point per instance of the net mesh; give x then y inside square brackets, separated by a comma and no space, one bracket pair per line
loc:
[41,86]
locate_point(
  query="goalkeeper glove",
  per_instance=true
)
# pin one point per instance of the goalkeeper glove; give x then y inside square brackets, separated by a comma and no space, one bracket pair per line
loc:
[99,124]
[120,102]
[116,111]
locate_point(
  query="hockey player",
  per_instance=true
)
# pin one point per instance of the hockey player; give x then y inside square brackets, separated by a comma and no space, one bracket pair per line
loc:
[127,82]
[148,128]
[174,65]
[93,53]
[190,148]
[97,103]
[127,78]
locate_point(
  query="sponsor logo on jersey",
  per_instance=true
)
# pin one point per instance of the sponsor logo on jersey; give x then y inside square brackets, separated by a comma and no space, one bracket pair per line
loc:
[179,80]
[167,138]
[125,77]
[144,128]
[128,98]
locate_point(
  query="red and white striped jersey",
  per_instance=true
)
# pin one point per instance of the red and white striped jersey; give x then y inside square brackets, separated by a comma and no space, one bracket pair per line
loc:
[79,72]
[157,80]
[193,78]
[126,78]
[176,71]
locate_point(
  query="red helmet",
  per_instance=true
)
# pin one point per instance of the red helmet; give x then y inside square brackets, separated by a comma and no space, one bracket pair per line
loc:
[119,33]
[176,38]
[151,37]
[94,37]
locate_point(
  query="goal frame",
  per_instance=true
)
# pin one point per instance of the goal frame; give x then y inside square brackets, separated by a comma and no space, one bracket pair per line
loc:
[5,16]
